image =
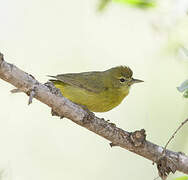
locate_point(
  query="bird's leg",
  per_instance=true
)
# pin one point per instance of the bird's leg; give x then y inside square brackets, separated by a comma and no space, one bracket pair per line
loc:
[83,107]
[53,89]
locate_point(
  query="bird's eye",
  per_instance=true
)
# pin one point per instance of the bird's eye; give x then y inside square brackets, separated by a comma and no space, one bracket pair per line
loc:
[122,80]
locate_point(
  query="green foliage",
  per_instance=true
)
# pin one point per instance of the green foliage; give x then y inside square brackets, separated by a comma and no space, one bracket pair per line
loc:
[102,4]
[182,178]
[135,3]
[138,3]
[184,88]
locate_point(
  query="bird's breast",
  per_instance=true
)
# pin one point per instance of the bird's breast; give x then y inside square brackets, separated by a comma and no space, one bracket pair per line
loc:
[96,102]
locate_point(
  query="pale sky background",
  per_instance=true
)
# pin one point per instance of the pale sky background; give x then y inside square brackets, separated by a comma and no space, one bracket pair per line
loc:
[45,37]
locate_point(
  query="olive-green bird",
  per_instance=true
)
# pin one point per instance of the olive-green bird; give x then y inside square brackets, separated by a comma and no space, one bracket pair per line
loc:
[99,91]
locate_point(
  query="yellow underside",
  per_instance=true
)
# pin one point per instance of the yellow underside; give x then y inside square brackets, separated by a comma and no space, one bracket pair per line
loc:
[95,102]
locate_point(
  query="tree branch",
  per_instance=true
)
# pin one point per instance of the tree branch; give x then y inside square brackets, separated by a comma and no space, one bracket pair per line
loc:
[134,142]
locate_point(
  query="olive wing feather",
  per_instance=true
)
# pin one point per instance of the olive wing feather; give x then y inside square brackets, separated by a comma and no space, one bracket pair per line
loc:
[91,81]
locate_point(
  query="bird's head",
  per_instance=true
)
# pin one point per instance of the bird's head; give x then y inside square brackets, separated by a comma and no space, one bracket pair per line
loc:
[121,77]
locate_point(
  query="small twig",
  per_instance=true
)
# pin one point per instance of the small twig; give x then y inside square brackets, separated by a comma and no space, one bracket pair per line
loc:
[165,165]
[173,135]
[31,95]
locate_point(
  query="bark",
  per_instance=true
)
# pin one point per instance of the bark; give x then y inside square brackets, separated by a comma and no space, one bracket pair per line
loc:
[167,161]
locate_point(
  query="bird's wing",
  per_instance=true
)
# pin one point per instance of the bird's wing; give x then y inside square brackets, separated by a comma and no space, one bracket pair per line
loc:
[91,81]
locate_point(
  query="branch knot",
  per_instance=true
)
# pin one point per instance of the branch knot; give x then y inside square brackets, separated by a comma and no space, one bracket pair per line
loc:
[165,165]
[138,137]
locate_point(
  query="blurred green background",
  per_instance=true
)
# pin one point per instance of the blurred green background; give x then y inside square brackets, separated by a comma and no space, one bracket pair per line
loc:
[50,37]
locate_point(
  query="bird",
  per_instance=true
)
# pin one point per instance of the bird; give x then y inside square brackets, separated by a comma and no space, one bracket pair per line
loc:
[98,91]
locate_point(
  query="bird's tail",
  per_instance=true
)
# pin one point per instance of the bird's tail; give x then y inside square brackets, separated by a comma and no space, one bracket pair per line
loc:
[51,76]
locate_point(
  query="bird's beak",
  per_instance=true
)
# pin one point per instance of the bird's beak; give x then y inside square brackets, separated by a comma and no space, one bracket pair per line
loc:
[133,81]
